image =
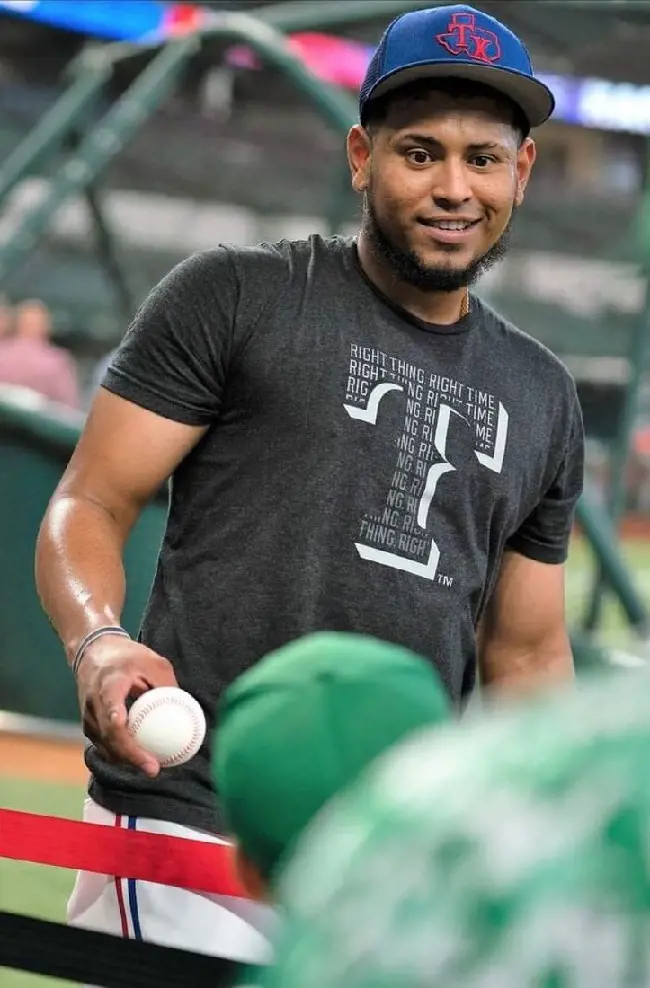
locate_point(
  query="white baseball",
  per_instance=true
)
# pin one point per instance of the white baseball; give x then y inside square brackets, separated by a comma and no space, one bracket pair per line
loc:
[168,723]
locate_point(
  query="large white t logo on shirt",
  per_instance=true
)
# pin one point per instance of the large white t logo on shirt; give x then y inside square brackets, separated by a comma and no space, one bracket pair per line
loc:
[424,483]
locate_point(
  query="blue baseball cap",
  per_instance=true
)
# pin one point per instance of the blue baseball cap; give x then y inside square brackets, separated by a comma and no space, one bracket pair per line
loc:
[456,42]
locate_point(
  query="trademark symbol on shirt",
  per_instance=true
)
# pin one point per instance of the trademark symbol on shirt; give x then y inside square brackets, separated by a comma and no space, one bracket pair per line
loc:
[445,581]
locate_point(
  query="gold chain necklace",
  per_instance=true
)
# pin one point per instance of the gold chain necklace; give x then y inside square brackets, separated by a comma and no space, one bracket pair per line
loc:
[464,305]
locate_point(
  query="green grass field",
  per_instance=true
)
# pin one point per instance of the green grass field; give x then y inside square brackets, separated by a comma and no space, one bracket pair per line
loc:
[39,891]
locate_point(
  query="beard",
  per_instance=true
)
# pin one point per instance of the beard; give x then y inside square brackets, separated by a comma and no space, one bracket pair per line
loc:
[407,266]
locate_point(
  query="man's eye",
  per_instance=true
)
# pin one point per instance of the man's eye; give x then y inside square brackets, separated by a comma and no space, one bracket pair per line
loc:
[418,156]
[482,160]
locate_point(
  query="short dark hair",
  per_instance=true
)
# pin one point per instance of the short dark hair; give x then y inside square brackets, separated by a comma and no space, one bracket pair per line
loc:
[376,110]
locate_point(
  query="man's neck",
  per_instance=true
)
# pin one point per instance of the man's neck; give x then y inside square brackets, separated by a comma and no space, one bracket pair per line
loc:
[441,308]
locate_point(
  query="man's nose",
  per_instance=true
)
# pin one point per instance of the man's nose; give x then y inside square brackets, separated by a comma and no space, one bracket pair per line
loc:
[451,186]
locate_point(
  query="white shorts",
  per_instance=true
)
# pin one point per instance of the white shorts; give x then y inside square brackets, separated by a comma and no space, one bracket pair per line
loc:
[229,927]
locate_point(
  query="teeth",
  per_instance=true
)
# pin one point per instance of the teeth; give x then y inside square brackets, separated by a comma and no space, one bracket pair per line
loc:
[451,224]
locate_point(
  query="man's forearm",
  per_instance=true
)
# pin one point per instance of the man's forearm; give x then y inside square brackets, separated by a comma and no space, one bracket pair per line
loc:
[79,570]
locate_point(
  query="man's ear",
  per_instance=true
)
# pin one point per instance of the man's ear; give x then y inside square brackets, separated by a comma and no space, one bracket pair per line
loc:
[359,153]
[525,160]
[249,877]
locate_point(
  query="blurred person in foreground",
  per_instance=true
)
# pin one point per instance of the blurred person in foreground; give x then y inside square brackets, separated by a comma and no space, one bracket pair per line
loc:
[355,441]
[29,359]
[511,854]
[301,726]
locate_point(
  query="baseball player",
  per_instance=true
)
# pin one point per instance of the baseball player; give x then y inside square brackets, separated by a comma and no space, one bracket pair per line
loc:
[354,441]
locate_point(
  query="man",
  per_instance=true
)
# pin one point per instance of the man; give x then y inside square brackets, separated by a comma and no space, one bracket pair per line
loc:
[513,853]
[300,727]
[355,443]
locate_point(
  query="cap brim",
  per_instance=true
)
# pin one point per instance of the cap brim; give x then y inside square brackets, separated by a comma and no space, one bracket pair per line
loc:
[534,98]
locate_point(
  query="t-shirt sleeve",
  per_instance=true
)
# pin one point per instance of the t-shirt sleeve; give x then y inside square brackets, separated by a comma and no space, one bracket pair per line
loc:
[174,356]
[545,533]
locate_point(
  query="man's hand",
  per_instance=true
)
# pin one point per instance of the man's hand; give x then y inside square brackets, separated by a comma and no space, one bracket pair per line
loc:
[114,670]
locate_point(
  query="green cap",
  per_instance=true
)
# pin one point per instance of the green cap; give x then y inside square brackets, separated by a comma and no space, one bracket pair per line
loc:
[304,722]
[510,851]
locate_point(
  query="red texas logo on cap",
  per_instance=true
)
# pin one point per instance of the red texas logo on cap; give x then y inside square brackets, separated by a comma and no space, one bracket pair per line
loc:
[464,38]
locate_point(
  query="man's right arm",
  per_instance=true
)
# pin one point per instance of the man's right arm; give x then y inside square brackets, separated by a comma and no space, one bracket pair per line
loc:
[161,393]
[163,390]
[123,458]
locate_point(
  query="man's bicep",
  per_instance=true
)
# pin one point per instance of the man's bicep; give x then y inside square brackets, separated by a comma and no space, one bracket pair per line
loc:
[523,638]
[161,391]
[528,602]
[125,455]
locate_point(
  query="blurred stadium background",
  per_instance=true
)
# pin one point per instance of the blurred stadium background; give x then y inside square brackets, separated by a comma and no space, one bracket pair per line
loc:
[225,123]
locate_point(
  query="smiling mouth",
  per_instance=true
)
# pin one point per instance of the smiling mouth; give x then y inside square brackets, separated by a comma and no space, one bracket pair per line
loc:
[459,226]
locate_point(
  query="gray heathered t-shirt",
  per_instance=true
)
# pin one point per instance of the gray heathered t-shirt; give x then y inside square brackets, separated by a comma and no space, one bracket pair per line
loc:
[362,471]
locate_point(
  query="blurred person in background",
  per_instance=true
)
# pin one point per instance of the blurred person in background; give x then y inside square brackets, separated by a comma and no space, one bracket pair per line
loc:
[301,726]
[511,854]
[29,359]
[356,443]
